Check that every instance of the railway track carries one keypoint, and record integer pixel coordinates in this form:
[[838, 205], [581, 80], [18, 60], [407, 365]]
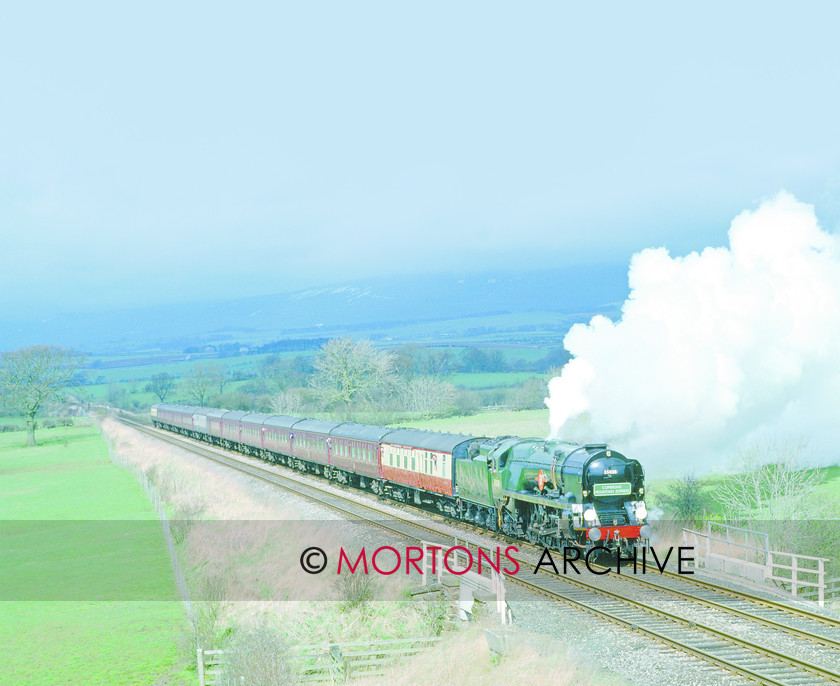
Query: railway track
[[735, 654], [795, 621]]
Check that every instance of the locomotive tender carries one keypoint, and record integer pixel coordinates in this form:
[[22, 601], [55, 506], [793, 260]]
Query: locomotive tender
[[552, 493]]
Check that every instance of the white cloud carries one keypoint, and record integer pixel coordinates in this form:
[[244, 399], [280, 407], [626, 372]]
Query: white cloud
[[714, 348]]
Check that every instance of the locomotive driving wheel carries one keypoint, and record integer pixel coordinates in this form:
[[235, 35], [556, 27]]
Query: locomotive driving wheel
[[535, 524]]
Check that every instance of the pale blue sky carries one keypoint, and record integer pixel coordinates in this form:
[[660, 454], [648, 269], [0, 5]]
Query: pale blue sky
[[256, 148]]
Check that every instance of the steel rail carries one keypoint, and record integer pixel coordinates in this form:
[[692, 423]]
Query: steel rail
[[729, 641], [795, 613]]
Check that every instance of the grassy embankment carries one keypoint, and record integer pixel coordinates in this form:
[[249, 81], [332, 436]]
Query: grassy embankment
[[69, 476]]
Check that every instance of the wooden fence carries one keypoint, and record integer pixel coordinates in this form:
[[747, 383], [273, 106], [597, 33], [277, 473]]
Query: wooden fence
[[332, 663], [747, 553], [832, 590], [473, 586]]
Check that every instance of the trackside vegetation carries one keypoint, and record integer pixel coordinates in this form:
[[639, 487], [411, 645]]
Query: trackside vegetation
[[68, 484]]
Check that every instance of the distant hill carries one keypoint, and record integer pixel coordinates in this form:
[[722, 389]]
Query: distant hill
[[363, 305]]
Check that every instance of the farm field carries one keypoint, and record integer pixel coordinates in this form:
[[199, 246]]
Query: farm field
[[829, 489], [491, 379], [523, 423], [69, 477]]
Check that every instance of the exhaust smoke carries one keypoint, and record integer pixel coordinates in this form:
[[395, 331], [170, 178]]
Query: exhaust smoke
[[715, 349]]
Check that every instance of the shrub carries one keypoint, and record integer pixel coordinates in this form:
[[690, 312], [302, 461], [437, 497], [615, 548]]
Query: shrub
[[355, 589], [258, 656]]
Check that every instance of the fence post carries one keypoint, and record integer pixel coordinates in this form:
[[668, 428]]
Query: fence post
[[793, 571], [200, 662], [821, 579], [338, 661]]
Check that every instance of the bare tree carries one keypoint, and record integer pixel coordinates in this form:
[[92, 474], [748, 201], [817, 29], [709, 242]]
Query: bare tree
[[198, 382], [161, 385], [348, 370], [440, 364], [772, 486], [219, 374], [289, 401], [427, 395], [31, 376]]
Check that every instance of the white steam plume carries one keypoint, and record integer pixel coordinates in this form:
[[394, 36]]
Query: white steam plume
[[714, 349]]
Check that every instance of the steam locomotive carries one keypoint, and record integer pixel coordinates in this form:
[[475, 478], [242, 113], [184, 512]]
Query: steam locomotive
[[552, 493]]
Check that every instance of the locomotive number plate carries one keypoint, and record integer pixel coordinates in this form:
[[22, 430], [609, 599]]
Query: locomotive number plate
[[622, 488]]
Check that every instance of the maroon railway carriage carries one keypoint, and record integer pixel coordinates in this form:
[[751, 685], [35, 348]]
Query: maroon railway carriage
[[355, 448], [179, 416], [213, 420], [253, 432], [232, 427], [422, 459], [278, 433], [309, 440]]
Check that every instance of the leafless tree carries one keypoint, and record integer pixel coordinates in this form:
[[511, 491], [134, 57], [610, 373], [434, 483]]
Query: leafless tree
[[219, 374], [289, 401], [348, 370], [198, 382], [427, 395], [31, 376], [440, 364], [161, 385], [772, 487]]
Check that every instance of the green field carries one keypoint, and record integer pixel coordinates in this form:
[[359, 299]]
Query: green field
[[108, 531], [523, 423], [492, 379]]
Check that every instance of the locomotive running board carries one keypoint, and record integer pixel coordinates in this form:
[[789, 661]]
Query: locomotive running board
[[558, 504]]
